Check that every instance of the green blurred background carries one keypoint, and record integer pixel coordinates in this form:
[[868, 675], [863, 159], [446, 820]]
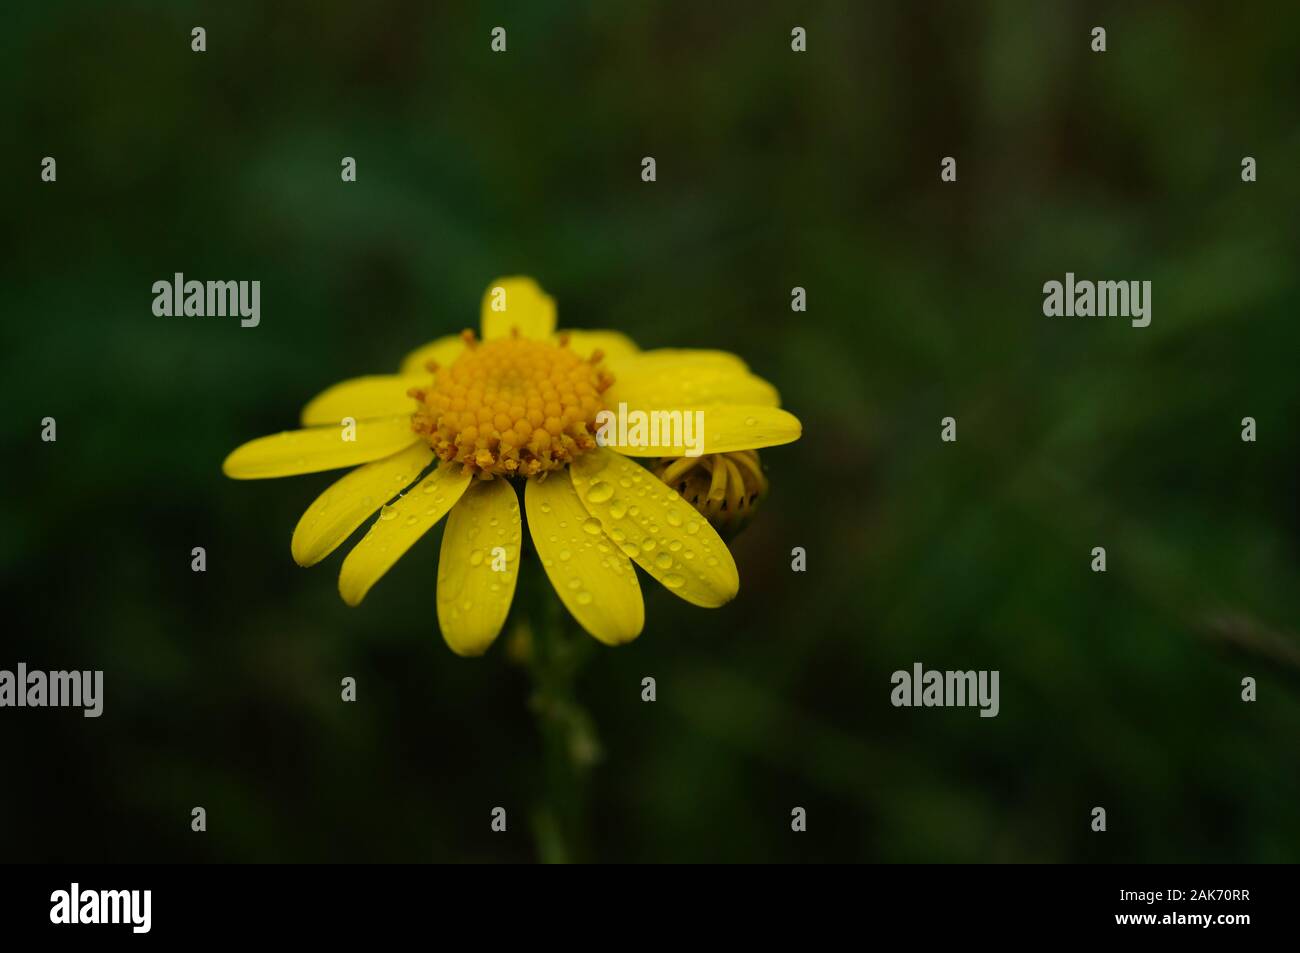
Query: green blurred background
[[775, 169]]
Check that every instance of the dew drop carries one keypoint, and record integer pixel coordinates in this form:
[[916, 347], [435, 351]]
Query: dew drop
[[664, 561], [584, 598], [600, 492], [591, 526], [387, 512], [674, 580], [476, 558]]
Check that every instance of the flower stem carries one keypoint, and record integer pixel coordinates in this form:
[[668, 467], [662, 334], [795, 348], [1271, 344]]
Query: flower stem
[[569, 745]]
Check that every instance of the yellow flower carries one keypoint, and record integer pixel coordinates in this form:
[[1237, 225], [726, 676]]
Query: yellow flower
[[463, 417], [725, 488]]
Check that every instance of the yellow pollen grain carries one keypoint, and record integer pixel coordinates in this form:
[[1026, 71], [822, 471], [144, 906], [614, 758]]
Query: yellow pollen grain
[[512, 406]]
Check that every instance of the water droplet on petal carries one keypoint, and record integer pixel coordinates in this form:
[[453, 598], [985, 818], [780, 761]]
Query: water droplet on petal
[[600, 492], [674, 580], [591, 526]]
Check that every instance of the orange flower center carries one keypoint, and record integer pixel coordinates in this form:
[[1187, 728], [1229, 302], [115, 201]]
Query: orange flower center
[[512, 406]]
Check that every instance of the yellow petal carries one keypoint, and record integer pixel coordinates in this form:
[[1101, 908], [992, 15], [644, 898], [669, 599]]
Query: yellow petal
[[517, 303], [590, 573], [379, 395], [319, 448], [665, 358], [442, 352], [478, 566], [397, 529], [726, 427], [338, 511], [656, 527], [648, 387], [615, 345]]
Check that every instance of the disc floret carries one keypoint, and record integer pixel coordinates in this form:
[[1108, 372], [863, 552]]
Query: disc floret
[[512, 406]]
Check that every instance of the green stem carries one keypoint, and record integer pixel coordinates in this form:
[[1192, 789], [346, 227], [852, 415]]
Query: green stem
[[569, 746]]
